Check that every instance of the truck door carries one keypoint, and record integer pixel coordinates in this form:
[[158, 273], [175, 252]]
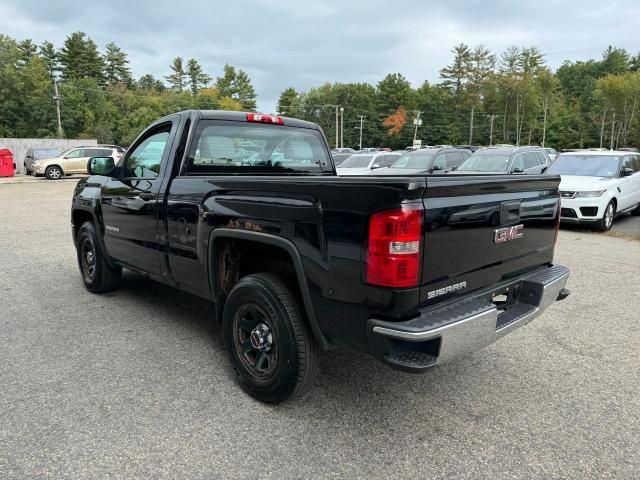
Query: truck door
[[130, 205]]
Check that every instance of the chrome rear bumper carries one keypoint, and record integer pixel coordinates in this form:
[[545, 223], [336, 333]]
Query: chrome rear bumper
[[440, 334]]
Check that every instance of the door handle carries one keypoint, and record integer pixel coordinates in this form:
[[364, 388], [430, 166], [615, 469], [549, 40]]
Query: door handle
[[147, 196]]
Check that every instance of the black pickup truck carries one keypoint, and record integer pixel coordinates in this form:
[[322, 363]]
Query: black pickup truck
[[246, 211]]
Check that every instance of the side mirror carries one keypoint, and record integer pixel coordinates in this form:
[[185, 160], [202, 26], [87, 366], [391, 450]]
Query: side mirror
[[436, 167], [375, 165], [101, 165], [626, 171], [455, 167], [517, 170], [544, 169]]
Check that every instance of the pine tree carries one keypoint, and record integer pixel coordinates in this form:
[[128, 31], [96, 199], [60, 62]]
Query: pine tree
[[177, 78], [237, 85], [288, 102], [27, 49], [116, 68], [197, 78], [79, 58], [224, 84], [244, 91], [50, 55], [454, 75]]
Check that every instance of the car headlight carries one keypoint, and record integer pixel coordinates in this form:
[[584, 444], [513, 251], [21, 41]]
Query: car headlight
[[595, 193]]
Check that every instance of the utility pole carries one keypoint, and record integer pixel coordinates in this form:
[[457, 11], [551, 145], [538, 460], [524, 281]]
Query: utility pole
[[56, 98], [491, 118], [473, 110], [417, 122], [362, 117], [341, 127], [613, 124], [337, 133]]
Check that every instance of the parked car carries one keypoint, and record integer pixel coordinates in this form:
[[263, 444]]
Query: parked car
[[72, 161], [34, 154], [597, 187], [297, 260], [472, 148], [426, 161], [552, 153], [344, 150], [338, 158], [504, 160], [366, 163]]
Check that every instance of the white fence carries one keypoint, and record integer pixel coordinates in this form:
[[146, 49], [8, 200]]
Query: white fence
[[19, 146]]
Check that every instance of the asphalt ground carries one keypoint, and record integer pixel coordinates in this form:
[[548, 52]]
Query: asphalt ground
[[132, 384]]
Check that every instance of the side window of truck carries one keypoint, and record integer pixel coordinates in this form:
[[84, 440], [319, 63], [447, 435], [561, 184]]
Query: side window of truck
[[236, 147], [146, 157]]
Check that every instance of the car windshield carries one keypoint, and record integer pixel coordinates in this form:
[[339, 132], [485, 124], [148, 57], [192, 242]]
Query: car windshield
[[46, 152], [357, 161], [486, 162], [414, 160], [585, 165]]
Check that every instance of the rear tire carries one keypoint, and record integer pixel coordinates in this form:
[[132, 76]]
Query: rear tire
[[53, 173], [97, 275], [271, 350], [609, 214], [636, 211]]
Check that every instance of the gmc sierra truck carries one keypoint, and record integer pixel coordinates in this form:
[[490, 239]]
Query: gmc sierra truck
[[246, 210]]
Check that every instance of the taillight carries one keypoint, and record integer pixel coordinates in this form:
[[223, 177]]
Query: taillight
[[393, 252], [261, 118]]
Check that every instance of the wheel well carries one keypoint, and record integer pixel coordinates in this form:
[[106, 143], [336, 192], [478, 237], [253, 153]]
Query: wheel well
[[54, 165], [78, 217], [237, 258], [234, 258]]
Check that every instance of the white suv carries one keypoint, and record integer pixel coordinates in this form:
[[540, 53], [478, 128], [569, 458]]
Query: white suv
[[598, 186]]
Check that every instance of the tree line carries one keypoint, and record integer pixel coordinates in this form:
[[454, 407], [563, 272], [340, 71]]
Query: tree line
[[480, 98], [97, 94], [483, 98]]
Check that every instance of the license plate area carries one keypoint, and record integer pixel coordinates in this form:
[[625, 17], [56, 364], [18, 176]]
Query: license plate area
[[506, 298]]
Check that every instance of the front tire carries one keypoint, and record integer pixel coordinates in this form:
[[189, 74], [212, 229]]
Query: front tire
[[605, 223], [53, 173], [271, 350], [97, 275]]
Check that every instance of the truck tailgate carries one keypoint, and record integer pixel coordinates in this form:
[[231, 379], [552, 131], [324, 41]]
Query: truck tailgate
[[480, 230]]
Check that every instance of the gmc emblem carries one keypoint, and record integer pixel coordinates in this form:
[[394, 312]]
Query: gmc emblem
[[508, 233]]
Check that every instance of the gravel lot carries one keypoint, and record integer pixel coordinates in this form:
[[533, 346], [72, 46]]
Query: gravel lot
[[131, 384]]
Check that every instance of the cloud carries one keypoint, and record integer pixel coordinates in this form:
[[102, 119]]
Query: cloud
[[304, 44]]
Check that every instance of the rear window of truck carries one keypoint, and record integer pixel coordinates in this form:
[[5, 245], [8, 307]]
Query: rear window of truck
[[237, 148]]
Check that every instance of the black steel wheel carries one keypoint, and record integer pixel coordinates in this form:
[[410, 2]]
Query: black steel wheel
[[270, 347], [97, 275]]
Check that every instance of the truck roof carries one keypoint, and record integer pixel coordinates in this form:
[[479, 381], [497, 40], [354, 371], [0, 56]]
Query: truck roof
[[242, 117]]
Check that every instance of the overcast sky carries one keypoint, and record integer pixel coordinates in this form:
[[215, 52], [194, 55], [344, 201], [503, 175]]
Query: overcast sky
[[283, 43]]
